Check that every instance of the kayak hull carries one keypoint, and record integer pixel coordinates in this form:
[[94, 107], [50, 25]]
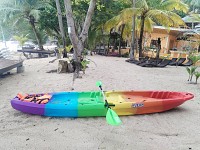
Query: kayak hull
[[87, 104]]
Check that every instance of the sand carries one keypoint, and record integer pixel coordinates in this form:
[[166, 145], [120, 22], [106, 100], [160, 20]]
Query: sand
[[177, 129]]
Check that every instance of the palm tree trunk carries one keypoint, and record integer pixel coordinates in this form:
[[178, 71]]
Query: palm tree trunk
[[133, 34], [61, 27], [108, 46], [77, 41], [37, 37], [120, 39], [141, 34], [103, 40], [119, 48]]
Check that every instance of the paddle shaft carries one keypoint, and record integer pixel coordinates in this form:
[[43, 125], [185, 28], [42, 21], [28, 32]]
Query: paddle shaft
[[106, 102], [111, 116]]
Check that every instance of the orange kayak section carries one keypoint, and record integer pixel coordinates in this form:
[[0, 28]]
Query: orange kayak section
[[145, 102]]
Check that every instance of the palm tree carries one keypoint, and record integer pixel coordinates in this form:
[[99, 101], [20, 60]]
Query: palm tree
[[148, 13], [60, 21], [25, 10], [194, 5], [78, 40]]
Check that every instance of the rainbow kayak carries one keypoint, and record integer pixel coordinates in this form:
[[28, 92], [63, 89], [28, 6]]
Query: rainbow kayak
[[86, 104]]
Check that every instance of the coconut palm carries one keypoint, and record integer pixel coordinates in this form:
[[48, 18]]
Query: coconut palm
[[24, 10], [148, 13]]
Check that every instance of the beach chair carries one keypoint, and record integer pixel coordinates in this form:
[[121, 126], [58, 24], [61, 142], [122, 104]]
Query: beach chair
[[152, 62], [148, 63], [178, 63], [173, 61], [188, 63], [181, 61], [164, 63], [142, 60], [131, 60]]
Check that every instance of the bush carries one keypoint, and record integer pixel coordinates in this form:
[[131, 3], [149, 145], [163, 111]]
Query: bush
[[126, 55]]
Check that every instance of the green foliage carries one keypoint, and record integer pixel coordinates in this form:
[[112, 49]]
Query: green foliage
[[194, 5], [24, 13], [165, 57], [21, 39], [49, 21], [153, 12], [68, 48], [194, 58], [126, 55], [197, 75], [85, 52], [84, 64], [191, 71], [15, 17], [104, 11]]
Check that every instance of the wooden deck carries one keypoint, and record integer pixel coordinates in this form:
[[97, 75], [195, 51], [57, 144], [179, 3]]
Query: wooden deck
[[6, 65]]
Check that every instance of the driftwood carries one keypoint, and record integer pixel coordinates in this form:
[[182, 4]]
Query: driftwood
[[64, 66]]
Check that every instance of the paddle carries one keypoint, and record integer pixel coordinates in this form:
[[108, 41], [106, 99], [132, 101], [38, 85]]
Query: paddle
[[111, 116]]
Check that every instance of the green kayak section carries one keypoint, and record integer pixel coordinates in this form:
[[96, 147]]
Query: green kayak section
[[91, 104]]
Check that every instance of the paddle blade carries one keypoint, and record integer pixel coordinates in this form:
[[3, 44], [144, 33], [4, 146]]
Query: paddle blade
[[112, 118], [98, 83]]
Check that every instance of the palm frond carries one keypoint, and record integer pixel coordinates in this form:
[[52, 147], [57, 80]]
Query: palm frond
[[113, 22], [192, 70], [127, 32], [188, 70], [194, 58], [195, 2], [165, 18], [195, 17], [197, 75], [127, 14], [142, 4], [171, 5], [148, 27]]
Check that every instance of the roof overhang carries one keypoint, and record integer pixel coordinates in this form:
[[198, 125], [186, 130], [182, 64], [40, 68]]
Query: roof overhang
[[170, 30]]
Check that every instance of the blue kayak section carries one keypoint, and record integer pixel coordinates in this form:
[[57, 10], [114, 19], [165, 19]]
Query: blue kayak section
[[62, 104]]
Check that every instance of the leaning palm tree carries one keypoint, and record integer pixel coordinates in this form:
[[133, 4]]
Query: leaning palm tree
[[24, 10], [150, 12]]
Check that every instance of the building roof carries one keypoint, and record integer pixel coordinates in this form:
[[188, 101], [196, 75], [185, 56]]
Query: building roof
[[171, 28]]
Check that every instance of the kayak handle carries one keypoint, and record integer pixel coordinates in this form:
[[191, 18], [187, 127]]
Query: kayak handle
[[108, 105]]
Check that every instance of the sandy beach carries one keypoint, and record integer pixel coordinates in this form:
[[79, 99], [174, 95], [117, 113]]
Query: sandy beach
[[177, 129]]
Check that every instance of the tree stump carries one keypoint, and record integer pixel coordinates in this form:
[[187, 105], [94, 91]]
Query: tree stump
[[64, 66], [70, 68]]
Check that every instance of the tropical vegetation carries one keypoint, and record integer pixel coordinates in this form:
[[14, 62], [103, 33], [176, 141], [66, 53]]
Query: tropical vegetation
[[192, 70], [88, 23]]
